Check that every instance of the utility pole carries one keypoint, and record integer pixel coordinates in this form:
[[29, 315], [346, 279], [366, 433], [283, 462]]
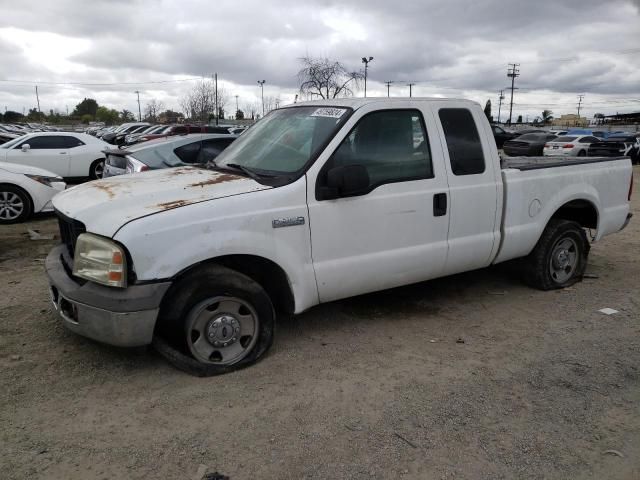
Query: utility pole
[[216, 97], [500, 98], [295, 100], [237, 108], [580, 97], [38, 99], [410, 85], [261, 83], [139, 111], [366, 61], [388, 82], [512, 73]]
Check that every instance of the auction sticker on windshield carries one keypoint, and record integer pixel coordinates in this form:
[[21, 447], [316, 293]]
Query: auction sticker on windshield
[[329, 112]]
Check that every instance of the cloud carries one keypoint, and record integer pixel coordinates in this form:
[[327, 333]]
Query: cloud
[[454, 48]]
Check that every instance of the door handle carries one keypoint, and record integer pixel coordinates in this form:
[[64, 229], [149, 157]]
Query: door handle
[[62, 153], [439, 204]]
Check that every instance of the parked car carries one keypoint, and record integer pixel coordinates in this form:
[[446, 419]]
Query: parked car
[[25, 190], [318, 201], [570, 146], [618, 145], [184, 130], [132, 138], [7, 137], [501, 135], [120, 137], [558, 132], [192, 149], [123, 129], [528, 145], [69, 155]]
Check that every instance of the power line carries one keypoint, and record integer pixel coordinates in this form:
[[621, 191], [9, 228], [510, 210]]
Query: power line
[[91, 84], [500, 98]]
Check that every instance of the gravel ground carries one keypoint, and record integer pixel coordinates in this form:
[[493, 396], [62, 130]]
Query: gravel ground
[[468, 377]]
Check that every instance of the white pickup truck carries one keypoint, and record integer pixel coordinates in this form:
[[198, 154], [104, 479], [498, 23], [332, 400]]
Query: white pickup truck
[[316, 202]]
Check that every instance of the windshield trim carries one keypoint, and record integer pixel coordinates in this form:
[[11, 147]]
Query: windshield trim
[[285, 178]]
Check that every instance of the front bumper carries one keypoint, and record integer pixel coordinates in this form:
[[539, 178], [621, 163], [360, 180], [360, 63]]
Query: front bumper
[[121, 317]]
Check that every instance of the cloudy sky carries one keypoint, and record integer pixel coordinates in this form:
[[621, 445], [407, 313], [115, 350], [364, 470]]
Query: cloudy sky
[[457, 48]]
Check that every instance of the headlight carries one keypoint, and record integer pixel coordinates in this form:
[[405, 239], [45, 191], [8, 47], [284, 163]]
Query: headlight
[[100, 260], [44, 180]]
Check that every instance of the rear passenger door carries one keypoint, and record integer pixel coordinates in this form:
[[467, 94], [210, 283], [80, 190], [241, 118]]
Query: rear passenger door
[[475, 186]]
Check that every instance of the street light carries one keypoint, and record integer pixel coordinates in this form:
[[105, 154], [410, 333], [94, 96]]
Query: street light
[[261, 83], [366, 66]]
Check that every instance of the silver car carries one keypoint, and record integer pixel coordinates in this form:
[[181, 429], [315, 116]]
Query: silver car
[[193, 149]]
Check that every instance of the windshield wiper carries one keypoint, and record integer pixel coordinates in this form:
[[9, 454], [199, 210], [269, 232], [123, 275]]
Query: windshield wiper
[[249, 171]]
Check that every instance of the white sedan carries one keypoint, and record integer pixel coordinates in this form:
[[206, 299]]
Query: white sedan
[[69, 155], [25, 190], [569, 146]]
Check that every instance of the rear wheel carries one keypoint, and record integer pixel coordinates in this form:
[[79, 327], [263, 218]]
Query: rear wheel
[[214, 321], [97, 169], [15, 204], [582, 153], [559, 259]]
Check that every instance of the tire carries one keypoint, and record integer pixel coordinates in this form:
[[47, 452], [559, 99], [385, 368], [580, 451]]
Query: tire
[[96, 170], [582, 153], [15, 204], [218, 310], [561, 241]]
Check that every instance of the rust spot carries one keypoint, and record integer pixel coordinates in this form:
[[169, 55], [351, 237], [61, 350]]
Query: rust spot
[[173, 204], [224, 177], [105, 187]]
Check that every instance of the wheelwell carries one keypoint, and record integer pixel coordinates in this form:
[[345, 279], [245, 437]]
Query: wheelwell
[[268, 274], [22, 190], [580, 211]]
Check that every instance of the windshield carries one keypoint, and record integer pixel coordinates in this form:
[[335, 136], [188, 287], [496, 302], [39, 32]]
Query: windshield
[[11, 143], [284, 141]]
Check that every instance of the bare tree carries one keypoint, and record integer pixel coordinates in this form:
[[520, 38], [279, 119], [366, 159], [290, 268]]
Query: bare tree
[[251, 109], [270, 103], [199, 103], [326, 78], [152, 110]]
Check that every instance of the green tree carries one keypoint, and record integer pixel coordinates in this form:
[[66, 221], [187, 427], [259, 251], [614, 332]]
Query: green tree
[[11, 116], [239, 115], [88, 106], [107, 115], [127, 116], [547, 116], [35, 116], [86, 118], [487, 110], [519, 119]]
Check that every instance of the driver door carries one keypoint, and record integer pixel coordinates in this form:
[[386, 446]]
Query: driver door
[[394, 232], [45, 151]]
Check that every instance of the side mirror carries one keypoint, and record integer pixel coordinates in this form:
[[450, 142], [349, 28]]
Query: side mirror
[[345, 181], [25, 147]]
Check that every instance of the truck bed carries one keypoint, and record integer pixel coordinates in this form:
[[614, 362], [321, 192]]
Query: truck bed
[[535, 163], [536, 187]]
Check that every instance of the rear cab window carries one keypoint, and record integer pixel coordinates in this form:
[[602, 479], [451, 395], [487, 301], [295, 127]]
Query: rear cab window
[[463, 141]]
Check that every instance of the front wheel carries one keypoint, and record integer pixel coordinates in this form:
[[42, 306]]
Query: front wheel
[[15, 204], [215, 320], [559, 259]]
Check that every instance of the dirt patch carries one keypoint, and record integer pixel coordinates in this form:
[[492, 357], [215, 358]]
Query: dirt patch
[[173, 204], [374, 387]]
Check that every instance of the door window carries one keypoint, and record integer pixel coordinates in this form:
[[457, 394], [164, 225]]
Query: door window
[[211, 148], [391, 144], [44, 142], [71, 142], [463, 141], [188, 153]]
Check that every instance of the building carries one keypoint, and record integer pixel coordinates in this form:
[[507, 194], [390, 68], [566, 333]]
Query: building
[[570, 120]]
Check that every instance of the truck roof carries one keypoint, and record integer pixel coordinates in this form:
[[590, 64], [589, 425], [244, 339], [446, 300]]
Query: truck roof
[[357, 103]]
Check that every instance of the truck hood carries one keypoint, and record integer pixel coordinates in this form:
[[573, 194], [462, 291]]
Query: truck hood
[[105, 205]]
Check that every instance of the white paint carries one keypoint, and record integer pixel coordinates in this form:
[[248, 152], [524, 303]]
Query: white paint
[[40, 194], [386, 238]]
